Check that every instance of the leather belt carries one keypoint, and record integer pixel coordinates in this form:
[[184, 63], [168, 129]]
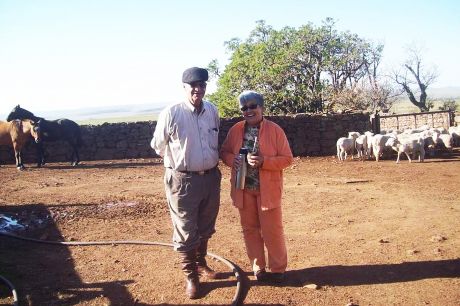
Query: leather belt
[[203, 172]]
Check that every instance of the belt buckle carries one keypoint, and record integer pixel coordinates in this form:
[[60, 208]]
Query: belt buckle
[[201, 172]]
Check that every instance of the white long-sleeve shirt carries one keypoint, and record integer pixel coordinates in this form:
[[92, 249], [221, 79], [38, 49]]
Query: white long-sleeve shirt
[[187, 140]]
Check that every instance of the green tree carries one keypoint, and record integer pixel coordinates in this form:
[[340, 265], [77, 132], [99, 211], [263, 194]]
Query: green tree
[[296, 70]]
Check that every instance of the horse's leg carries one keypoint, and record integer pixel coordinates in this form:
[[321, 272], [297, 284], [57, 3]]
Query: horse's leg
[[75, 158], [18, 157], [77, 161], [38, 154], [41, 154]]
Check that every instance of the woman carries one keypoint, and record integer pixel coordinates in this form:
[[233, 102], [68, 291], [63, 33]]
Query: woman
[[259, 203]]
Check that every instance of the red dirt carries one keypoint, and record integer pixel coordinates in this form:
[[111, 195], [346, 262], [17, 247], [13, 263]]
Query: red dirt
[[365, 233]]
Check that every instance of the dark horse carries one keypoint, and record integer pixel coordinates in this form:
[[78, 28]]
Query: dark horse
[[52, 130]]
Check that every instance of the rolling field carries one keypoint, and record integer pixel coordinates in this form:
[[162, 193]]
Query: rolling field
[[127, 118]]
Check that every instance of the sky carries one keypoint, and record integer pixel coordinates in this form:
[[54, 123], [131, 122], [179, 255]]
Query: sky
[[93, 53]]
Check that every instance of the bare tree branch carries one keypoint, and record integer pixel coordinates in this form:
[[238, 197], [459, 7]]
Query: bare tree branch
[[414, 73]]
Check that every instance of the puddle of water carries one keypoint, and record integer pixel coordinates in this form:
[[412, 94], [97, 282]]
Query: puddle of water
[[9, 224]]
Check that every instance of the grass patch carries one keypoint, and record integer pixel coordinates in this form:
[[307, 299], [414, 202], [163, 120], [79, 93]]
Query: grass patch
[[401, 106], [134, 118], [404, 106]]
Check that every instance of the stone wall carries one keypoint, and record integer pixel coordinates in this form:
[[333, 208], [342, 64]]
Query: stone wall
[[406, 121], [308, 135], [456, 119]]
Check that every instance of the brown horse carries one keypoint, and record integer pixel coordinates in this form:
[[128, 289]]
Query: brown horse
[[16, 134]]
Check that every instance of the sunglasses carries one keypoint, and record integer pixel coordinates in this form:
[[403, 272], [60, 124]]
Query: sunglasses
[[246, 107]]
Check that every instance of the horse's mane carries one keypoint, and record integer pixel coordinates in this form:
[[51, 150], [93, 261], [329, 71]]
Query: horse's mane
[[21, 113]]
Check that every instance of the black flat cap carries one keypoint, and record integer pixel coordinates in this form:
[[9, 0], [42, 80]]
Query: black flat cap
[[194, 74]]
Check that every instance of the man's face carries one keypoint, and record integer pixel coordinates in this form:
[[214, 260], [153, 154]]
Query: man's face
[[195, 92]]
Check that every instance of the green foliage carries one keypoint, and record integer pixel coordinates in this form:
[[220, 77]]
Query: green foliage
[[296, 70]]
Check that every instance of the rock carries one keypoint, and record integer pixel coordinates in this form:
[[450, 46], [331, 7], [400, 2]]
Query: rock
[[412, 252], [384, 241]]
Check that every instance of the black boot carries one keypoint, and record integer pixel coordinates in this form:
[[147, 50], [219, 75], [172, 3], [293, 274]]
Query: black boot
[[203, 269], [192, 282]]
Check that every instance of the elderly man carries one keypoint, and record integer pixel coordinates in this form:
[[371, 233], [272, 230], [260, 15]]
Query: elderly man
[[186, 136]]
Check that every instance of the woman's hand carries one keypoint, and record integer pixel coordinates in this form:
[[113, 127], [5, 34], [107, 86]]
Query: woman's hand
[[255, 161]]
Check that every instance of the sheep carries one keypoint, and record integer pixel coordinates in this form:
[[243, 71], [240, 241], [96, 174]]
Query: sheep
[[346, 145], [361, 146], [430, 138], [369, 136], [412, 145], [445, 140], [390, 131], [379, 143], [454, 131], [417, 130], [440, 130]]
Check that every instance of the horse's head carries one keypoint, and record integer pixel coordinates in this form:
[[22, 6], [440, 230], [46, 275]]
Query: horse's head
[[35, 130], [20, 113]]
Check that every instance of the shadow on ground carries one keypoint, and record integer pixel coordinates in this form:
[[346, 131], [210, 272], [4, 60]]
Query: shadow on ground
[[373, 274], [45, 274]]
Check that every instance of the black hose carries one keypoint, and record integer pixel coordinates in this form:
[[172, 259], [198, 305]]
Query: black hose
[[13, 290], [236, 298]]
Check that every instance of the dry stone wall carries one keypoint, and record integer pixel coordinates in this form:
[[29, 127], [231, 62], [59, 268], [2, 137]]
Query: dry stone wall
[[402, 122], [308, 135]]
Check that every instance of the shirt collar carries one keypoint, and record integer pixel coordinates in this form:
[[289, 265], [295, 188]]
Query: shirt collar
[[193, 109]]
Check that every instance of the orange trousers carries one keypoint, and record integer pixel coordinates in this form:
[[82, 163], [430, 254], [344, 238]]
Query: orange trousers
[[263, 228]]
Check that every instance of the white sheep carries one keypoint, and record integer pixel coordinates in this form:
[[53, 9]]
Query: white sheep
[[412, 145], [417, 130], [454, 131], [379, 144], [361, 146], [346, 145], [441, 130], [429, 137], [369, 136], [445, 140]]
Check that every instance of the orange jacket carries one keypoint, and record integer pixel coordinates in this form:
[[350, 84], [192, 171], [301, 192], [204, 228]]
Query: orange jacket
[[274, 147]]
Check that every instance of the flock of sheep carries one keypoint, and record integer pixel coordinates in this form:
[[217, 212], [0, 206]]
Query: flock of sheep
[[415, 142]]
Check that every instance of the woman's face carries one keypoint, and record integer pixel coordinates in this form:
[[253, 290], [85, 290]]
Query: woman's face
[[252, 113]]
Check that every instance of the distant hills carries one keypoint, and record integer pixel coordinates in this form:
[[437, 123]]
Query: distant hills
[[130, 112], [444, 92], [99, 114], [114, 111]]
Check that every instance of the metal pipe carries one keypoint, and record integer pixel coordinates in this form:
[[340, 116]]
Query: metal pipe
[[13, 290]]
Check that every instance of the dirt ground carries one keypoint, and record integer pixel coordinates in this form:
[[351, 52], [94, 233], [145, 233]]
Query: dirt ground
[[364, 233]]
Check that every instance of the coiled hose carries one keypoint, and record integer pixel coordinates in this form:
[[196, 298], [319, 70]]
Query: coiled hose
[[236, 298]]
